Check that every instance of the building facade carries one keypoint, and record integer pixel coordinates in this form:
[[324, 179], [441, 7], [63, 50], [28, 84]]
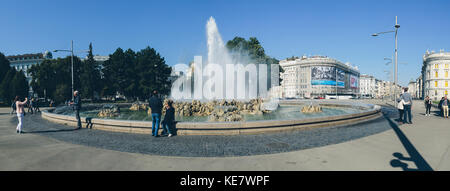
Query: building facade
[[412, 89], [25, 61], [435, 74], [314, 76], [368, 86], [387, 89], [419, 88]]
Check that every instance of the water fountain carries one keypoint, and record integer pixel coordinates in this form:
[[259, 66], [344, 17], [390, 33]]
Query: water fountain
[[234, 108]]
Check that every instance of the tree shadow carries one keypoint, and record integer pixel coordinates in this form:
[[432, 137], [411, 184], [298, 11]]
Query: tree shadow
[[418, 160]]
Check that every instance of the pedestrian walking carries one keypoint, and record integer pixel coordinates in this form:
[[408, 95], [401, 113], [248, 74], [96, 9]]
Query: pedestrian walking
[[20, 112], [30, 106], [76, 104], [156, 106], [13, 107], [445, 104], [407, 106], [169, 118], [36, 106], [427, 106]]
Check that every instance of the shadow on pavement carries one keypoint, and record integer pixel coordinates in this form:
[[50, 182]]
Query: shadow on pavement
[[50, 131], [420, 162]]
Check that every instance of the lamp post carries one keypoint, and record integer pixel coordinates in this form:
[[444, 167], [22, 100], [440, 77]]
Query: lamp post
[[71, 51], [396, 26], [336, 83]]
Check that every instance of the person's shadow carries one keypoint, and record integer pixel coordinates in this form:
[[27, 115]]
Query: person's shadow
[[415, 156], [49, 131], [397, 163]]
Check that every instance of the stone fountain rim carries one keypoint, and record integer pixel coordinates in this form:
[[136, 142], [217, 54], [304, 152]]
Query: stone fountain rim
[[224, 128]]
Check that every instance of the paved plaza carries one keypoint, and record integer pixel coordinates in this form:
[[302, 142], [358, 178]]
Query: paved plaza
[[376, 145]]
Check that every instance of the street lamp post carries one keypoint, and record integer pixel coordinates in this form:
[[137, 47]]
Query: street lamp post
[[396, 26]]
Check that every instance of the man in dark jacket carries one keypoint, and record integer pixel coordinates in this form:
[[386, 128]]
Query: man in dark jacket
[[441, 113], [156, 106], [76, 104]]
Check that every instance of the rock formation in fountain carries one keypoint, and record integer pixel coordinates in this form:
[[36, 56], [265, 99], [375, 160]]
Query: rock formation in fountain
[[109, 110], [311, 109], [137, 106], [219, 110]]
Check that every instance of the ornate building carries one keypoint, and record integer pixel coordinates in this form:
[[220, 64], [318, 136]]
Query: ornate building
[[318, 76], [435, 74]]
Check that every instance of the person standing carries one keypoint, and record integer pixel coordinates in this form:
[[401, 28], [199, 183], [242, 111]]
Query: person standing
[[427, 106], [76, 104], [20, 112], [445, 104], [156, 106], [441, 112], [169, 118], [407, 106]]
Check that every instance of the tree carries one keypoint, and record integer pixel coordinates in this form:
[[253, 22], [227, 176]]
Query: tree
[[255, 51], [114, 73], [50, 76], [153, 72], [135, 75], [4, 66], [5, 86], [19, 85], [90, 76]]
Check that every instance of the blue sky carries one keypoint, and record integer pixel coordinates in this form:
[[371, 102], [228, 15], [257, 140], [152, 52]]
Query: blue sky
[[176, 29]]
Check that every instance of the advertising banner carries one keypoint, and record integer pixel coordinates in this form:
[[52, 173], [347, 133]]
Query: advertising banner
[[326, 75], [354, 81]]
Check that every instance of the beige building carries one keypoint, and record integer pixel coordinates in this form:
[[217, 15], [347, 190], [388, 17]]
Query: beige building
[[387, 89]]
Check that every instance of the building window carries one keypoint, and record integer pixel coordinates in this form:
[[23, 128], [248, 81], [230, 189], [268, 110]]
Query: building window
[[435, 92], [446, 83], [435, 84], [446, 65], [436, 74], [446, 74], [445, 92], [436, 66]]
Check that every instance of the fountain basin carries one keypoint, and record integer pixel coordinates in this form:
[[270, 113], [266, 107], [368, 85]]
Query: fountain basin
[[366, 112]]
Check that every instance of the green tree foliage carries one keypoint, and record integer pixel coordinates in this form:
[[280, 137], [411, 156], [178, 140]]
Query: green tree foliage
[[49, 77], [19, 85], [255, 51], [152, 71], [5, 86], [135, 75], [90, 80], [13, 84], [4, 66]]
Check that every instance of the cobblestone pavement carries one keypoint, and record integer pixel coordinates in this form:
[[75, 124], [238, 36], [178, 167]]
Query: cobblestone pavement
[[204, 146]]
